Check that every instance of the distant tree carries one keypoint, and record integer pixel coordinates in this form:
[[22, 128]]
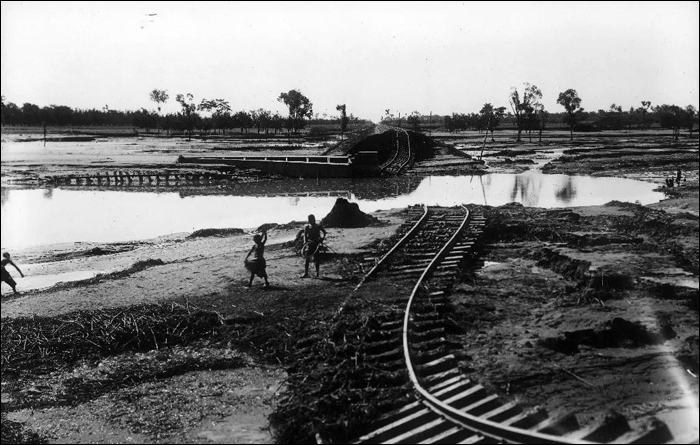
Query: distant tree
[[243, 120], [277, 122], [388, 116], [144, 119], [261, 119], [59, 115], [11, 114], [159, 97], [456, 122], [414, 120], [343, 120], [615, 117], [31, 114], [300, 108], [572, 104], [490, 118], [219, 109], [691, 119], [188, 108], [532, 96], [542, 117], [643, 110], [524, 107], [674, 117]]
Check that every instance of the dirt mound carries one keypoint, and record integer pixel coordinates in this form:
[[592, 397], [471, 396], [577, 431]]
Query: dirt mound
[[383, 139], [351, 140], [347, 214], [202, 233]]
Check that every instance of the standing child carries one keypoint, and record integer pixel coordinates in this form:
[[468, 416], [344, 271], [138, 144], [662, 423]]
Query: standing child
[[256, 265], [313, 244], [6, 277]]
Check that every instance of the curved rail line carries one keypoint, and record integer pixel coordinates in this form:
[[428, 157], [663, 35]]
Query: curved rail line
[[402, 157], [450, 407]]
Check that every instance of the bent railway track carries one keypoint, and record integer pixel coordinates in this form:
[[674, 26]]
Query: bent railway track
[[403, 156], [437, 245]]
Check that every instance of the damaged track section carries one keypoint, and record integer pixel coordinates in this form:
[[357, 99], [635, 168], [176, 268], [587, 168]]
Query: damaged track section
[[448, 406]]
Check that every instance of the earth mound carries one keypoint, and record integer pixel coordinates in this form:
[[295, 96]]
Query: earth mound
[[347, 214]]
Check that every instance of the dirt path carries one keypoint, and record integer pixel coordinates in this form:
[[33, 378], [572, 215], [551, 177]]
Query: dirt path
[[225, 406]]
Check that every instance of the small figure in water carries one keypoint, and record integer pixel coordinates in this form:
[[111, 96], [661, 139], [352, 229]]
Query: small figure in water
[[313, 245], [6, 277], [256, 265], [679, 174]]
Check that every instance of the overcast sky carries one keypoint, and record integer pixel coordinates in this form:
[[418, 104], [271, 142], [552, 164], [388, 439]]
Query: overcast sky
[[439, 57]]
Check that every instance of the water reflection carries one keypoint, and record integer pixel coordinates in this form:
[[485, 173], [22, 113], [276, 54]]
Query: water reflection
[[526, 190], [4, 196], [567, 192], [349, 188], [38, 216]]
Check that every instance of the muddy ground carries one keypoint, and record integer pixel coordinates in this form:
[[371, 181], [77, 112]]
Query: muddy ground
[[579, 310]]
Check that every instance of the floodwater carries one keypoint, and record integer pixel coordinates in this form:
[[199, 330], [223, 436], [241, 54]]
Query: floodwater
[[33, 217], [34, 281]]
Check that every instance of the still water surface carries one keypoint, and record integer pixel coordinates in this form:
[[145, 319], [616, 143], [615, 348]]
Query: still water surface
[[58, 215]]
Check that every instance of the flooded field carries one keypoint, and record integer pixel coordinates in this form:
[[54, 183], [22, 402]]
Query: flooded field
[[60, 215], [558, 261]]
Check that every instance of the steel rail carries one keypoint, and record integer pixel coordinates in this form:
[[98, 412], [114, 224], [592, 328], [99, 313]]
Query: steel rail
[[479, 425], [408, 159], [398, 245]]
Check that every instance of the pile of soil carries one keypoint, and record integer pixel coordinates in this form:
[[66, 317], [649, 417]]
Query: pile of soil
[[382, 139], [347, 214], [215, 232]]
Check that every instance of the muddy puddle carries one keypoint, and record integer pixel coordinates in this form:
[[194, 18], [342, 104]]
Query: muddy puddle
[[33, 217]]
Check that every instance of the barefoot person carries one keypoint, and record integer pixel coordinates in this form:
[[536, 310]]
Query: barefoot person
[[312, 244], [256, 265], [6, 277]]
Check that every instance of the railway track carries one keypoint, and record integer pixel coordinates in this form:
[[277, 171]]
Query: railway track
[[403, 156], [140, 178], [435, 246]]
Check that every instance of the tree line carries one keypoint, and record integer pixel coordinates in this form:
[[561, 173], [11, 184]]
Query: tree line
[[208, 115], [527, 115]]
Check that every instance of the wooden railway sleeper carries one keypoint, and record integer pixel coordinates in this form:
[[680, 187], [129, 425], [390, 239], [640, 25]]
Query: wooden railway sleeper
[[422, 357], [378, 335], [438, 365], [389, 326], [399, 421], [392, 365], [426, 335], [529, 419], [658, 432], [438, 378], [424, 315], [386, 356], [419, 326], [558, 426], [429, 344], [382, 345], [611, 427], [400, 424]]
